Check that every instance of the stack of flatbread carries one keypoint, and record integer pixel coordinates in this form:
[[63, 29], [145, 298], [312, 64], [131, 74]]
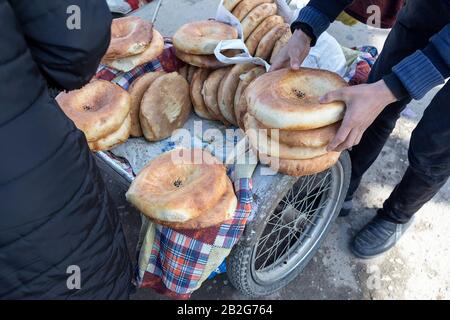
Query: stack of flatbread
[[287, 124], [265, 32], [134, 42]]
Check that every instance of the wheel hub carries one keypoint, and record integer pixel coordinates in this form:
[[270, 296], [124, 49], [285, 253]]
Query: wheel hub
[[291, 216]]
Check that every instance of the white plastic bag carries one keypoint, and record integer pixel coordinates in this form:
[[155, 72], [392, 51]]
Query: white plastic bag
[[326, 54], [223, 15]]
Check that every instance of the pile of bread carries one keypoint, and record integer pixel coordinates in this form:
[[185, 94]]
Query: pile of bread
[[287, 124], [217, 89], [217, 94], [265, 32], [101, 110], [184, 189], [155, 105], [134, 42]]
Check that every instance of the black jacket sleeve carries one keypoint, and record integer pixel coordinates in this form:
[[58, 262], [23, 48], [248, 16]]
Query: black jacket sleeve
[[316, 17], [67, 57], [331, 8]]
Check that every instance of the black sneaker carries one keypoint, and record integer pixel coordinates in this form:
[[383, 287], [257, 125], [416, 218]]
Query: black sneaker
[[378, 236], [347, 207]]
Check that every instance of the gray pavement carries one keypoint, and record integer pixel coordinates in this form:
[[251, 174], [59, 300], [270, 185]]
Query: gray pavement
[[417, 268]]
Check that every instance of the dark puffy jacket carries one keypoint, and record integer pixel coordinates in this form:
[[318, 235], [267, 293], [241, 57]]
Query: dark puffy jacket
[[55, 215]]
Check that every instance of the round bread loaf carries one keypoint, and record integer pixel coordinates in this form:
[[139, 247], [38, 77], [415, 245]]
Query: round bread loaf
[[98, 109], [200, 61], [190, 73], [165, 107], [265, 27], [136, 91], [202, 37], [227, 90], [183, 71], [283, 41], [300, 168], [114, 139], [240, 104], [289, 99], [129, 36], [271, 146], [179, 185], [244, 7], [231, 4], [210, 91], [196, 95], [223, 211], [256, 16], [153, 51], [267, 43], [314, 138]]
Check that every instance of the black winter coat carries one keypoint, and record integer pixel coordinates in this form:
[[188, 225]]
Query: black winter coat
[[55, 214]]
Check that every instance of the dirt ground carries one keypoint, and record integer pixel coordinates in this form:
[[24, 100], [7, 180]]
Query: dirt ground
[[417, 268]]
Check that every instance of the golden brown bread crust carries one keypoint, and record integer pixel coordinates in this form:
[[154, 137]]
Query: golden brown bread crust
[[114, 139], [280, 44], [244, 7], [314, 138], [264, 27], [136, 91], [98, 109], [183, 71], [221, 212], [200, 61], [210, 91], [267, 43], [165, 107], [179, 185], [190, 73], [256, 16], [271, 146], [152, 51], [289, 99], [299, 168], [196, 96], [231, 4], [129, 36], [202, 37], [227, 90], [240, 104]]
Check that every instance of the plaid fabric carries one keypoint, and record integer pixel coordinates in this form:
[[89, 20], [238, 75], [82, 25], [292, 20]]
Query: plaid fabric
[[358, 72], [167, 62], [177, 262]]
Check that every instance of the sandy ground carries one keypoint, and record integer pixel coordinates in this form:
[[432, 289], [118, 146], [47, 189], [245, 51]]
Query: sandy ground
[[417, 268]]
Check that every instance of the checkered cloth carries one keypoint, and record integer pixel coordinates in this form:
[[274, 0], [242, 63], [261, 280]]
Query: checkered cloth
[[167, 62], [176, 262], [360, 60]]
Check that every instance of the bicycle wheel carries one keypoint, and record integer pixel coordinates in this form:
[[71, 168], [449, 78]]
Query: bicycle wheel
[[279, 246]]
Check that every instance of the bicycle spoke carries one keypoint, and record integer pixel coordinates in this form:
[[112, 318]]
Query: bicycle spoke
[[294, 220]]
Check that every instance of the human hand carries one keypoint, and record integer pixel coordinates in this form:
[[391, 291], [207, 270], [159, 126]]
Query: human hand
[[364, 103], [293, 54]]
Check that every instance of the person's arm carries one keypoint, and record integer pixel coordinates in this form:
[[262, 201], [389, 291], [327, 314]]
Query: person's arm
[[68, 58], [317, 16], [413, 77], [312, 21], [417, 74]]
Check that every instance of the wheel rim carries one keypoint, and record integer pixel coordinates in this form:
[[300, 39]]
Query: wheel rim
[[297, 225]]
